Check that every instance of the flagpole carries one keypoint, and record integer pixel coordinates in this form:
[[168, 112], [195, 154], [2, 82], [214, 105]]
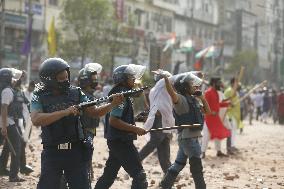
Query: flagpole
[[29, 68], [30, 51]]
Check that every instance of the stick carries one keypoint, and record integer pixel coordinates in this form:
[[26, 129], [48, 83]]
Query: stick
[[10, 145], [174, 127], [237, 80], [257, 86]]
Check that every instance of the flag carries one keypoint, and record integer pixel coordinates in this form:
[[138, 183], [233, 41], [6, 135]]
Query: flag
[[198, 64], [26, 48], [51, 38], [207, 52], [186, 46], [170, 42]]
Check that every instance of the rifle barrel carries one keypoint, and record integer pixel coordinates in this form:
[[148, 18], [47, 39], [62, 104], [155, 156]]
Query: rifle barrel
[[109, 98]]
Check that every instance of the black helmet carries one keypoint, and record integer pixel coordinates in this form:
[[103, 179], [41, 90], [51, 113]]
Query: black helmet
[[182, 81], [85, 75], [121, 73], [6, 76], [50, 68], [179, 86]]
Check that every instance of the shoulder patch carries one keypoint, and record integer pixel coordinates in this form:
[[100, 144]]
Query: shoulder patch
[[121, 106], [35, 98]]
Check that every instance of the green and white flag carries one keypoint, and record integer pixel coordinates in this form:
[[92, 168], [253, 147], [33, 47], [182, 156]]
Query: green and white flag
[[207, 52], [170, 42], [186, 46]]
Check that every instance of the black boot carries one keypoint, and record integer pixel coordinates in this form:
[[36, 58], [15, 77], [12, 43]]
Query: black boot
[[168, 180], [196, 170], [26, 170]]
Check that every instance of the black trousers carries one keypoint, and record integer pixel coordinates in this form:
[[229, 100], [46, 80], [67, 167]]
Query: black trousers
[[161, 142], [54, 162], [122, 154], [16, 141]]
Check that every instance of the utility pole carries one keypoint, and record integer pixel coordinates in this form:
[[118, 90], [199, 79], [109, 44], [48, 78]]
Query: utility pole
[[190, 55], [2, 33], [30, 16]]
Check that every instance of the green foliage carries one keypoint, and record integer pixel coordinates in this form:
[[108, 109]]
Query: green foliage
[[87, 27], [248, 59]]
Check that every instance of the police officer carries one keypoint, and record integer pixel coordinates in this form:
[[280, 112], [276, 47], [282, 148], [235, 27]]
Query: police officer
[[17, 109], [11, 111], [88, 80], [187, 111], [54, 108], [120, 131]]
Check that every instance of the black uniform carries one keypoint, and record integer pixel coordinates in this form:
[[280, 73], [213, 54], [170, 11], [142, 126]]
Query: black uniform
[[64, 149], [122, 152]]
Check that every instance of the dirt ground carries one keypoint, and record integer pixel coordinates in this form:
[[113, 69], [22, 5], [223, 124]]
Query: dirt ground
[[259, 165]]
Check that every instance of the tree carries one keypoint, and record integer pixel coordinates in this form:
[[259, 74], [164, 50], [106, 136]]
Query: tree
[[84, 24], [248, 59]]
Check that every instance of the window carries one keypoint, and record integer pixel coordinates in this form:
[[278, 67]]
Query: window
[[53, 2]]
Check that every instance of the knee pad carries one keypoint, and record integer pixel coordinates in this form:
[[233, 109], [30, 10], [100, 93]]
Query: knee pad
[[195, 165]]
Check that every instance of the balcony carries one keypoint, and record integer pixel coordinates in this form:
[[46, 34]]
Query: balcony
[[165, 5]]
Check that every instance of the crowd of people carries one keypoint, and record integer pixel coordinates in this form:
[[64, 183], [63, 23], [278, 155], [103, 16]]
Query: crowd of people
[[201, 111]]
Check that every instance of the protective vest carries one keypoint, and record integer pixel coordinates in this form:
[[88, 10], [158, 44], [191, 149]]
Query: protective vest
[[67, 129], [112, 133], [15, 108], [193, 116], [87, 121]]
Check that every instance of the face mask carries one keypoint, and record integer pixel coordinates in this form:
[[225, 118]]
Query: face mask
[[197, 93], [63, 86]]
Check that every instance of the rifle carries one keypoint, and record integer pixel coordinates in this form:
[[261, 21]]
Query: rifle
[[129, 93]]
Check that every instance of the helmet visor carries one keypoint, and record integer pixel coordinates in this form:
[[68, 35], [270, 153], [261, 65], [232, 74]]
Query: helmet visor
[[17, 74], [136, 70], [193, 79], [93, 67]]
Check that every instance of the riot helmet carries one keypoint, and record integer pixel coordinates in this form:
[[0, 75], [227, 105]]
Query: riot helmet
[[122, 73], [186, 82], [6, 76], [86, 74], [48, 71]]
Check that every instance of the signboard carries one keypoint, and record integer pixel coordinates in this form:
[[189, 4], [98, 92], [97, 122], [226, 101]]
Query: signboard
[[15, 20], [36, 8]]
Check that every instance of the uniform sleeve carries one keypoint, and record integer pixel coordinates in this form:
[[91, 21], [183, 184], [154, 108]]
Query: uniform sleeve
[[7, 96], [181, 107], [36, 104], [118, 110]]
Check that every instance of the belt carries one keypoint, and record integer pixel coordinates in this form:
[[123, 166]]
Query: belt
[[63, 146]]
